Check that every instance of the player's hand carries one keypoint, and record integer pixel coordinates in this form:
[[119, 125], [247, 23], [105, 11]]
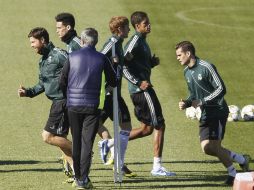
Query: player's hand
[[155, 60], [128, 56], [182, 104], [115, 59], [21, 91], [144, 85], [196, 103]]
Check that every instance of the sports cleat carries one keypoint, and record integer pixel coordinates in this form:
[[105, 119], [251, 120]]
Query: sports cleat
[[104, 150], [127, 172], [80, 184], [245, 165], [162, 172], [67, 168], [69, 180], [109, 162], [229, 181]]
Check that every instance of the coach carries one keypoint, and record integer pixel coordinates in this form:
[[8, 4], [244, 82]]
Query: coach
[[81, 80]]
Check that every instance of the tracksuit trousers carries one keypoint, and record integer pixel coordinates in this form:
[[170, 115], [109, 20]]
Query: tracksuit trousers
[[84, 126]]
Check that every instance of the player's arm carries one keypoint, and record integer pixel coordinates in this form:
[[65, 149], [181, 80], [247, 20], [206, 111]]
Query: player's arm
[[31, 92], [110, 74], [63, 80], [183, 104], [219, 88], [129, 53], [155, 60]]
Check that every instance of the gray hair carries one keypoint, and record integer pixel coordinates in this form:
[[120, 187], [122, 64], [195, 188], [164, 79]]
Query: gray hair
[[89, 36]]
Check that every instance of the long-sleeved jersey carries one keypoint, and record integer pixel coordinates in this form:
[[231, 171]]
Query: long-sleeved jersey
[[74, 44], [107, 50], [205, 84], [72, 41], [137, 69], [50, 66]]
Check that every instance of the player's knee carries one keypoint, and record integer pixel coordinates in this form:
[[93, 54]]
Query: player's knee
[[148, 130], [46, 137], [208, 149]]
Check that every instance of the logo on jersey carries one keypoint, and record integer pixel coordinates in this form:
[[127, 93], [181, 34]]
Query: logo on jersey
[[199, 77], [49, 59]]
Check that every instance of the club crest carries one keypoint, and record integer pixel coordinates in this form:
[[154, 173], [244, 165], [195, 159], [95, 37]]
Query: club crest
[[199, 77]]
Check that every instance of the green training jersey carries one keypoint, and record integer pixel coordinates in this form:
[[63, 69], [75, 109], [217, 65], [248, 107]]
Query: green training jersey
[[137, 69], [205, 84], [50, 66], [74, 44], [118, 67]]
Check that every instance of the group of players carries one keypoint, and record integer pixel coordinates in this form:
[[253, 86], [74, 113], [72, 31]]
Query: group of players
[[134, 63]]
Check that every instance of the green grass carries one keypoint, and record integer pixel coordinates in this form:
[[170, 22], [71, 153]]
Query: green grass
[[222, 33]]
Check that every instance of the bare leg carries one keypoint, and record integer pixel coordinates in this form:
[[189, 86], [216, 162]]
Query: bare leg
[[143, 131], [158, 141], [214, 148], [62, 142]]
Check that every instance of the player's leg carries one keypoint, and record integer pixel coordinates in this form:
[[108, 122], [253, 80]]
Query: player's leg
[[57, 129], [142, 113], [62, 142], [106, 144], [126, 127], [211, 135]]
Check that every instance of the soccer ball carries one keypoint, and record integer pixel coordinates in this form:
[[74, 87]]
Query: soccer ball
[[234, 113], [190, 112], [248, 113], [198, 113]]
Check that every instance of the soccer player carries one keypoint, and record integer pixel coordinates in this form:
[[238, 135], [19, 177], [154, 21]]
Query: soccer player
[[119, 27], [65, 28], [50, 66], [82, 79], [137, 70], [207, 91]]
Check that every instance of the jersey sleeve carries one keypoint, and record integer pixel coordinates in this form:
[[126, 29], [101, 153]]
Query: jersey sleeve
[[35, 90], [215, 80]]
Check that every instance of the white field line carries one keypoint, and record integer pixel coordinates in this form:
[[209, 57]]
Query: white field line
[[182, 16]]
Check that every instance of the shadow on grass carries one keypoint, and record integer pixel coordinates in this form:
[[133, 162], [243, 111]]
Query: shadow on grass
[[180, 162], [32, 170], [198, 180], [23, 162], [26, 162]]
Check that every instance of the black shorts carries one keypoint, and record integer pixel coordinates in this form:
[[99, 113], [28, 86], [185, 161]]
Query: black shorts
[[58, 123], [212, 129], [148, 108], [107, 111]]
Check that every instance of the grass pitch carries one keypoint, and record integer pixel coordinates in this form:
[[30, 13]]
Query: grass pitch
[[222, 33]]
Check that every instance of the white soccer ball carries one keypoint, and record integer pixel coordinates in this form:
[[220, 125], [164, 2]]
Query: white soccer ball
[[190, 113], [234, 113], [247, 113], [198, 113]]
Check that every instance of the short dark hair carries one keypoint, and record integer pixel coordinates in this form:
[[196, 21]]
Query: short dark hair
[[137, 17], [186, 46], [39, 33], [66, 19]]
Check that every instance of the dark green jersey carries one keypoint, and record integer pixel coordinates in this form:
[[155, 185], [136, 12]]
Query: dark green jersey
[[50, 66], [205, 84], [139, 67], [74, 44], [107, 50]]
